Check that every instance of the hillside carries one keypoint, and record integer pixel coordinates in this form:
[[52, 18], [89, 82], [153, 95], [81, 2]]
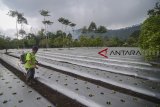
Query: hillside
[[122, 33]]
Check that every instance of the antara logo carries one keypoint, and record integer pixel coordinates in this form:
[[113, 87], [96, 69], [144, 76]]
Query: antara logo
[[103, 53], [121, 52]]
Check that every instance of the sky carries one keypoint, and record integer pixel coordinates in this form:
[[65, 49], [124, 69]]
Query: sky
[[113, 14]]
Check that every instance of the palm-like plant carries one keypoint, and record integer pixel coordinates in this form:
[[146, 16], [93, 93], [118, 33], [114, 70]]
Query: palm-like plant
[[45, 13], [47, 22], [20, 19], [61, 20], [15, 14], [72, 25], [22, 32], [66, 22]]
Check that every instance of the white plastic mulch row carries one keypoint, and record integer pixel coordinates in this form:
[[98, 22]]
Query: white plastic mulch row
[[15, 93], [87, 93], [88, 53], [123, 63], [145, 87], [135, 84], [79, 54], [147, 73]]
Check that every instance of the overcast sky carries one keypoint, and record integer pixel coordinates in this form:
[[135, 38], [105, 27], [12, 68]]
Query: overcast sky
[[113, 14]]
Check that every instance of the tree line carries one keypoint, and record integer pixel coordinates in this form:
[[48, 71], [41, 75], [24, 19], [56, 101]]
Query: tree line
[[61, 39]]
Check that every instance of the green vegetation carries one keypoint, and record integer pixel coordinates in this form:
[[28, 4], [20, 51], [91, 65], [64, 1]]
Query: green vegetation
[[93, 29], [61, 39], [149, 40]]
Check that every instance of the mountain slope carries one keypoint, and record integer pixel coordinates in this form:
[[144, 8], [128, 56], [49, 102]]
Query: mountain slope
[[122, 33]]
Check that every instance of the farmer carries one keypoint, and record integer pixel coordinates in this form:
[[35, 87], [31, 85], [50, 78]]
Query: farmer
[[30, 65]]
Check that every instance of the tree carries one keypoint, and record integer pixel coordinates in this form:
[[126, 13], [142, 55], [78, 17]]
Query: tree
[[101, 29], [69, 39], [42, 43], [14, 14], [45, 13], [72, 25], [135, 34], [22, 32], [114, 42], [51, 35], [84, 30], [92, 27], [149, 36], [20, 19], [41, 34], [84, 41], [98, 41], [58, 42], [76, 43], [133, 39], [66, 22], [47, 22], [59, 33], [61, 20], [155, 11], [2, 41]]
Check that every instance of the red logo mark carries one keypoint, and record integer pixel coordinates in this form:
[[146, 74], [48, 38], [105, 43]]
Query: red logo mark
[[103, 53]]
